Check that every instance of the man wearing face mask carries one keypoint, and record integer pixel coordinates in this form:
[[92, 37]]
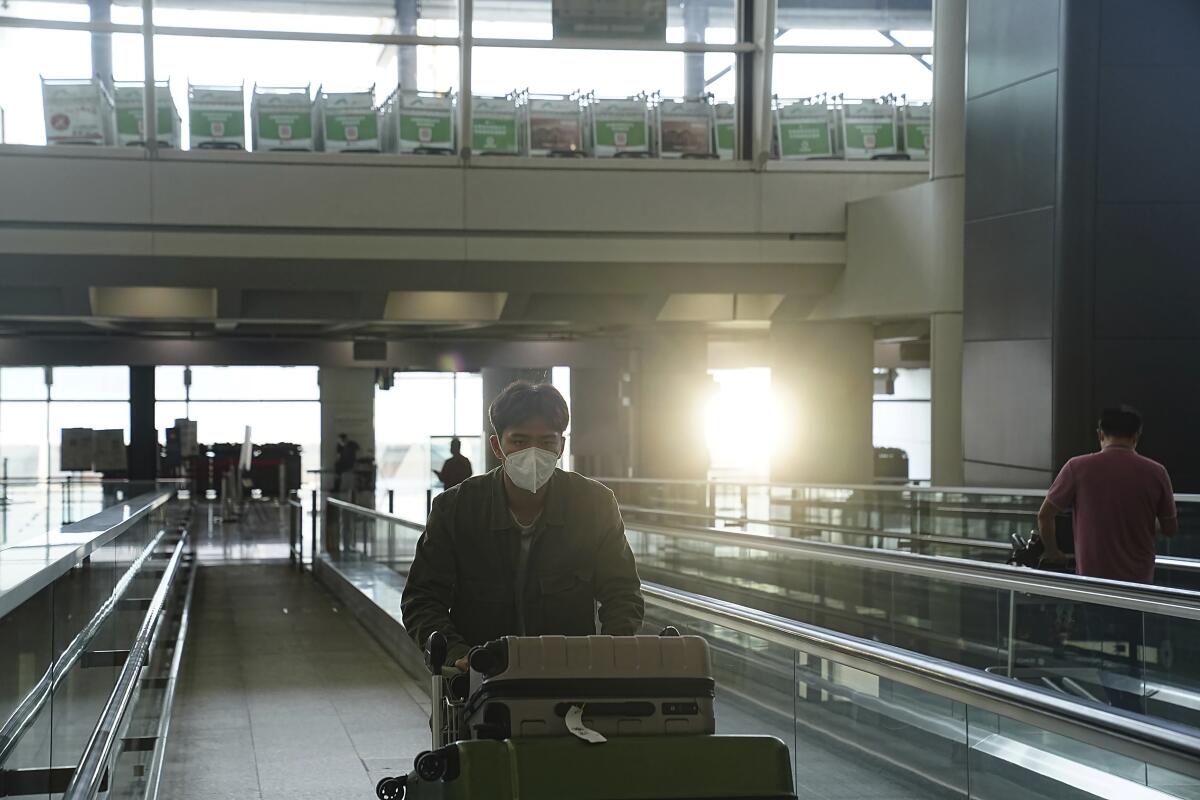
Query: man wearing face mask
[[527, 549]]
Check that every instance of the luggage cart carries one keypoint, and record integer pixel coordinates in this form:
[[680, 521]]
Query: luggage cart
[[686, 127], [419, 123], [618, 128], [282, 118], [131, 128], [78, 112], [869, 130], [217, 117], [916, 129], [495, 130], [532, 685], [804, 129], [726, 131], [553, 125], [347, 122]]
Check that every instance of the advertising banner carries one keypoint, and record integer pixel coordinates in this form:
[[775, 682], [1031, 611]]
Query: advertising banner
[[869, 130], [131, 111], [348, 122], [78, 112], [282, 119], [217, 117], [619, 126], [645, 20], [805, 131], [494, 126]]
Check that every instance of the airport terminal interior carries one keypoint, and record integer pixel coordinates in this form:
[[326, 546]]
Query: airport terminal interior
[[354, 353]]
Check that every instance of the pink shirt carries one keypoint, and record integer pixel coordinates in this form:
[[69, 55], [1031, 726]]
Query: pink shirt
[[1117, 495]]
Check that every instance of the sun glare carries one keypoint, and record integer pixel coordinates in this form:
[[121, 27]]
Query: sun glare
[[742, 423]]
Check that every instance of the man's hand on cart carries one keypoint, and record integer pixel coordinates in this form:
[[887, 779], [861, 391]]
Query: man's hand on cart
[[462, 665]]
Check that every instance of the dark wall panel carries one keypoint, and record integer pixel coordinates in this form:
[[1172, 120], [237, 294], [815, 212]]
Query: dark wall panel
[[1009, 41], [1131, 35], [1007, 402], [1158, 378], [1146, 121], [1008, 286], [1011, 149], [1148, 271]]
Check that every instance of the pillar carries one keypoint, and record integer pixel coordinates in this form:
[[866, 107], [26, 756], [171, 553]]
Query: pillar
[[600, 425], [102, 61], [406, 25], [822, 377], [494, 379], [945, 362], [143, 436], [347, 406], [949, 88], [672, 389], [695, 26]]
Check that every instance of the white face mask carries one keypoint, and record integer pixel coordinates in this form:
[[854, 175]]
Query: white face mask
[[530, 468]]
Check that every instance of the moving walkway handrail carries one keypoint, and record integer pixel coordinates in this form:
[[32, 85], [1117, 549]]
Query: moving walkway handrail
[[26, 712], [858, 487], [816, 527], [1162, 562], [1169, 745], [370, 512], [1166, 601], [93, 765]]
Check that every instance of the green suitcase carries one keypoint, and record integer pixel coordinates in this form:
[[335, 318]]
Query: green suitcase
[[632, 768]]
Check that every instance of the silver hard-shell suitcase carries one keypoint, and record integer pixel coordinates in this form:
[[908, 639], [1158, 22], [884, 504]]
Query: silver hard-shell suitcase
[[624, 685]]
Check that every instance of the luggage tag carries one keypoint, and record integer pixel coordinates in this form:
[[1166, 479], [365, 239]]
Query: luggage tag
[[574, 720]]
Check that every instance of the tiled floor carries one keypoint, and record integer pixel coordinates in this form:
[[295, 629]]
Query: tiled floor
[[284, 696]]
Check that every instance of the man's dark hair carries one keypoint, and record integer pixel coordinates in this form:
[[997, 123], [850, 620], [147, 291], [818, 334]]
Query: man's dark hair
[[1121, 421], [455, 442], [522, 401]]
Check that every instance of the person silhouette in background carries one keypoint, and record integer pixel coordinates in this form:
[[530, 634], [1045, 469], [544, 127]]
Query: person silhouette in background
[[343, 466], [457, 467]]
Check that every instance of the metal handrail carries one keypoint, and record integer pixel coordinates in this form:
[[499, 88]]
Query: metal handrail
[[154, 771], [88, 776], [1161, 562], [1162, 600], [871, 487], [958, 541], [1172, 746], [370, 512], [26, 712]]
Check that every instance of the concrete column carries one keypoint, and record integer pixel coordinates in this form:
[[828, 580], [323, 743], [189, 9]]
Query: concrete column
[[143, 436], [946, 366], [494, 379], [695, 25], [347, 406], [406, 25], [671, 391], [949, 89], [600, 425], [821, 374], [102, 61]]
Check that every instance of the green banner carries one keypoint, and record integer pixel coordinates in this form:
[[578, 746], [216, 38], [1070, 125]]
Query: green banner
[[916, 139], [726, 138], [494, 134], [353, 129], [620, 135], [284, 127], [213, 123], [129, 122], [804, 139], [865, 138], [425, 130]]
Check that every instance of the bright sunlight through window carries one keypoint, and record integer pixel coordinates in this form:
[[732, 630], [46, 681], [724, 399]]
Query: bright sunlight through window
[[743, 423]]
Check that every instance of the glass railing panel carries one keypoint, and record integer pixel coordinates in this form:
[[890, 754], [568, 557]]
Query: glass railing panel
[[26, 653]]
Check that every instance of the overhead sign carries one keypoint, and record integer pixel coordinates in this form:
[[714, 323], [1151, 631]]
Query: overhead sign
[[610, 19]]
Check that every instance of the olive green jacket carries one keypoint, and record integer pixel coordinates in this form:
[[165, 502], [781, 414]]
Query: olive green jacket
[[463, 578]]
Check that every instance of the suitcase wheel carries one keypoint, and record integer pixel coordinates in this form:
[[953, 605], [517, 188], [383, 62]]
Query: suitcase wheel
[[390, 789], [431, 766]]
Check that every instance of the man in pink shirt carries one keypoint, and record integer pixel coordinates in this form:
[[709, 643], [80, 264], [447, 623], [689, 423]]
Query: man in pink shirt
[[1116, 495]]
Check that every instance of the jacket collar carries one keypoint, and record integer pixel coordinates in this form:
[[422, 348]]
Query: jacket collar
[[553, 513]]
